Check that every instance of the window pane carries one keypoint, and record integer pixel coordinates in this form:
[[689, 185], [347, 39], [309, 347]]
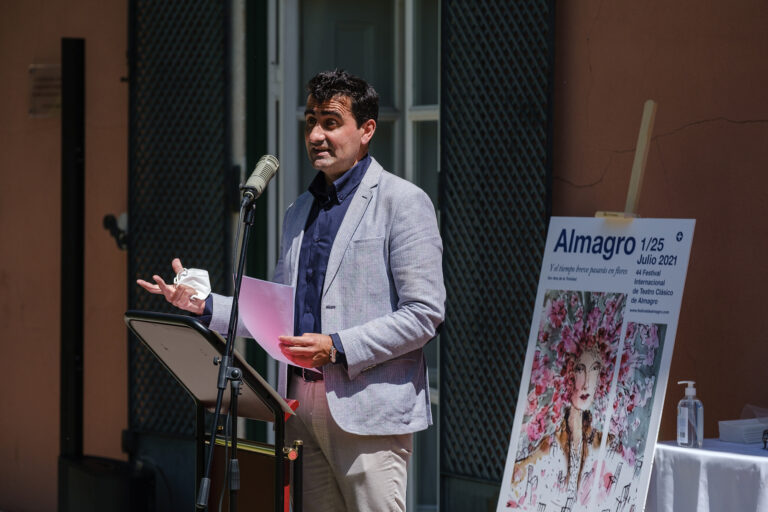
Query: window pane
[[383, 146], [307, 171], [425, 49], [425, 157], [356, 36], [425, 459]]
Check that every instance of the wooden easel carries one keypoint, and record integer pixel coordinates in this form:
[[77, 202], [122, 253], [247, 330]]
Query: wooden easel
[[638, 166]]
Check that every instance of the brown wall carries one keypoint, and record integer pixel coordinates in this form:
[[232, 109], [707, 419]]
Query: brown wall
[[704, 62], [30, 188]]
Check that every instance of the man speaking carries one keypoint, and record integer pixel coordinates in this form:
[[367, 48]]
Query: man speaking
[[363, 251]]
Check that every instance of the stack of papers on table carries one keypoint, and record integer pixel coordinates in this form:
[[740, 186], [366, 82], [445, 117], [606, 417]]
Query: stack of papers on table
[[743, 431]]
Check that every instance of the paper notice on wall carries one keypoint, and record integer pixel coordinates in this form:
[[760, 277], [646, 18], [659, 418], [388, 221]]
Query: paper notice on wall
[[266, 309], [597, 363]]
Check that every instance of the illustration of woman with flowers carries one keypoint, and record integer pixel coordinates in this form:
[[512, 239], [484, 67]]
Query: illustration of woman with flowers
[[572, 368]]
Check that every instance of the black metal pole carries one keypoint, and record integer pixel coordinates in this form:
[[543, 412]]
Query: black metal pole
[[279, 455], [72, 258], [234, 465], [298, 477], [226, 370], [72, 244]]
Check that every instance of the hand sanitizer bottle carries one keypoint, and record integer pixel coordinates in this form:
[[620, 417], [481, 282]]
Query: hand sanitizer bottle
[[690, 418]]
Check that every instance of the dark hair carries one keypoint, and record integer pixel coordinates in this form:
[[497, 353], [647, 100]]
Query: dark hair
[[329, 84]]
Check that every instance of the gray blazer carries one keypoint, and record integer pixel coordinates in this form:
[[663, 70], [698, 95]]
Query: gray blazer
[[384, 296]]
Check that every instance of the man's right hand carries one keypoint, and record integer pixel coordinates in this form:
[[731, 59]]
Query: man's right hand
[[179, 295]]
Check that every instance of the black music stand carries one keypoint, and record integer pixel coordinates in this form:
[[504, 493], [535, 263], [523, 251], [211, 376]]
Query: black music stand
[[190, 351]]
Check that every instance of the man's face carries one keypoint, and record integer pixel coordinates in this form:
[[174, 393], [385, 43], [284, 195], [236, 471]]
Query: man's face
[[334, 141]]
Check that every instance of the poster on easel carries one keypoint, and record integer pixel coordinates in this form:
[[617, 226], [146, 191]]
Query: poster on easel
[[597, 364]]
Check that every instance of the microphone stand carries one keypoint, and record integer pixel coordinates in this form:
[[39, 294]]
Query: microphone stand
[[231, 374]]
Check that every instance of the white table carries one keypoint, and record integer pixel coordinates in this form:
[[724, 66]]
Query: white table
[[728, 477]]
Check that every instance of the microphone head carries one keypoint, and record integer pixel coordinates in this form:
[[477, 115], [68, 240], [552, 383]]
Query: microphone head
[[264, 170]]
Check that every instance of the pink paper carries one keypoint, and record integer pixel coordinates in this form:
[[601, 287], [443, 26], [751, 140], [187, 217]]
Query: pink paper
[[267, 312]]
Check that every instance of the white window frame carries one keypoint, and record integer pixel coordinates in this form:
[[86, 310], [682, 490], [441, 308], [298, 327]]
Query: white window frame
[[283, 112]]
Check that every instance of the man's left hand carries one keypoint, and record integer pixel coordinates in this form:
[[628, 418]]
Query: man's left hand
[[310, 350]]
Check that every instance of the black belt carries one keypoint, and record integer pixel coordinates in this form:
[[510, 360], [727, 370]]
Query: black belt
[[307, 375]]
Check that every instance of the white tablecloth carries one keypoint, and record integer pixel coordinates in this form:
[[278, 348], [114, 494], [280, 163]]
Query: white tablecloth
[[727, 477]]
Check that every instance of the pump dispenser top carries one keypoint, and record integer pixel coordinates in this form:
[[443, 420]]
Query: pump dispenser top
[[691, 389], [690, 417]]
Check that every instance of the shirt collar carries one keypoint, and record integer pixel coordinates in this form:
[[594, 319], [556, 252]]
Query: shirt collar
[[342, 187]]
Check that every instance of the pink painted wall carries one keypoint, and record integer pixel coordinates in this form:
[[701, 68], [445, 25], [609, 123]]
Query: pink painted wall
[[30, 190], [704, 62]]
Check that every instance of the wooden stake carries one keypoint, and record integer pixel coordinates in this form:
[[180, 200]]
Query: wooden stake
[[641, 157], [638, 166]]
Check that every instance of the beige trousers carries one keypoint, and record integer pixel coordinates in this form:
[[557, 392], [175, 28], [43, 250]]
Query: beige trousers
[[345, 472]]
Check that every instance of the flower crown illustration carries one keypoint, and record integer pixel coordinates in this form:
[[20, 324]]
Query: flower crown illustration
[[576, 322], [572, 323]]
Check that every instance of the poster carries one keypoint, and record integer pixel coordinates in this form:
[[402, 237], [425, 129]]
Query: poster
[[596, 366]]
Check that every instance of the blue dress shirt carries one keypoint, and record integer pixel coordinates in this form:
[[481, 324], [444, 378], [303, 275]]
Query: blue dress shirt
[[325, 217]]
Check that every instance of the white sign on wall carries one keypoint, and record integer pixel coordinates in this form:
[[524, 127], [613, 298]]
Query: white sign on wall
[[597, 363]]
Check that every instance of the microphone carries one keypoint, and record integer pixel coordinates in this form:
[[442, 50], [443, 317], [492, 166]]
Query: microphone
[[265, 168]]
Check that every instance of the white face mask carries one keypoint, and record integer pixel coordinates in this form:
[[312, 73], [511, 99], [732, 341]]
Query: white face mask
[[197, 279]]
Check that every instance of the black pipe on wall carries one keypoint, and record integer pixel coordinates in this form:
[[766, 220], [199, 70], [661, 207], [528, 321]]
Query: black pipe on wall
[[72, 243]]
